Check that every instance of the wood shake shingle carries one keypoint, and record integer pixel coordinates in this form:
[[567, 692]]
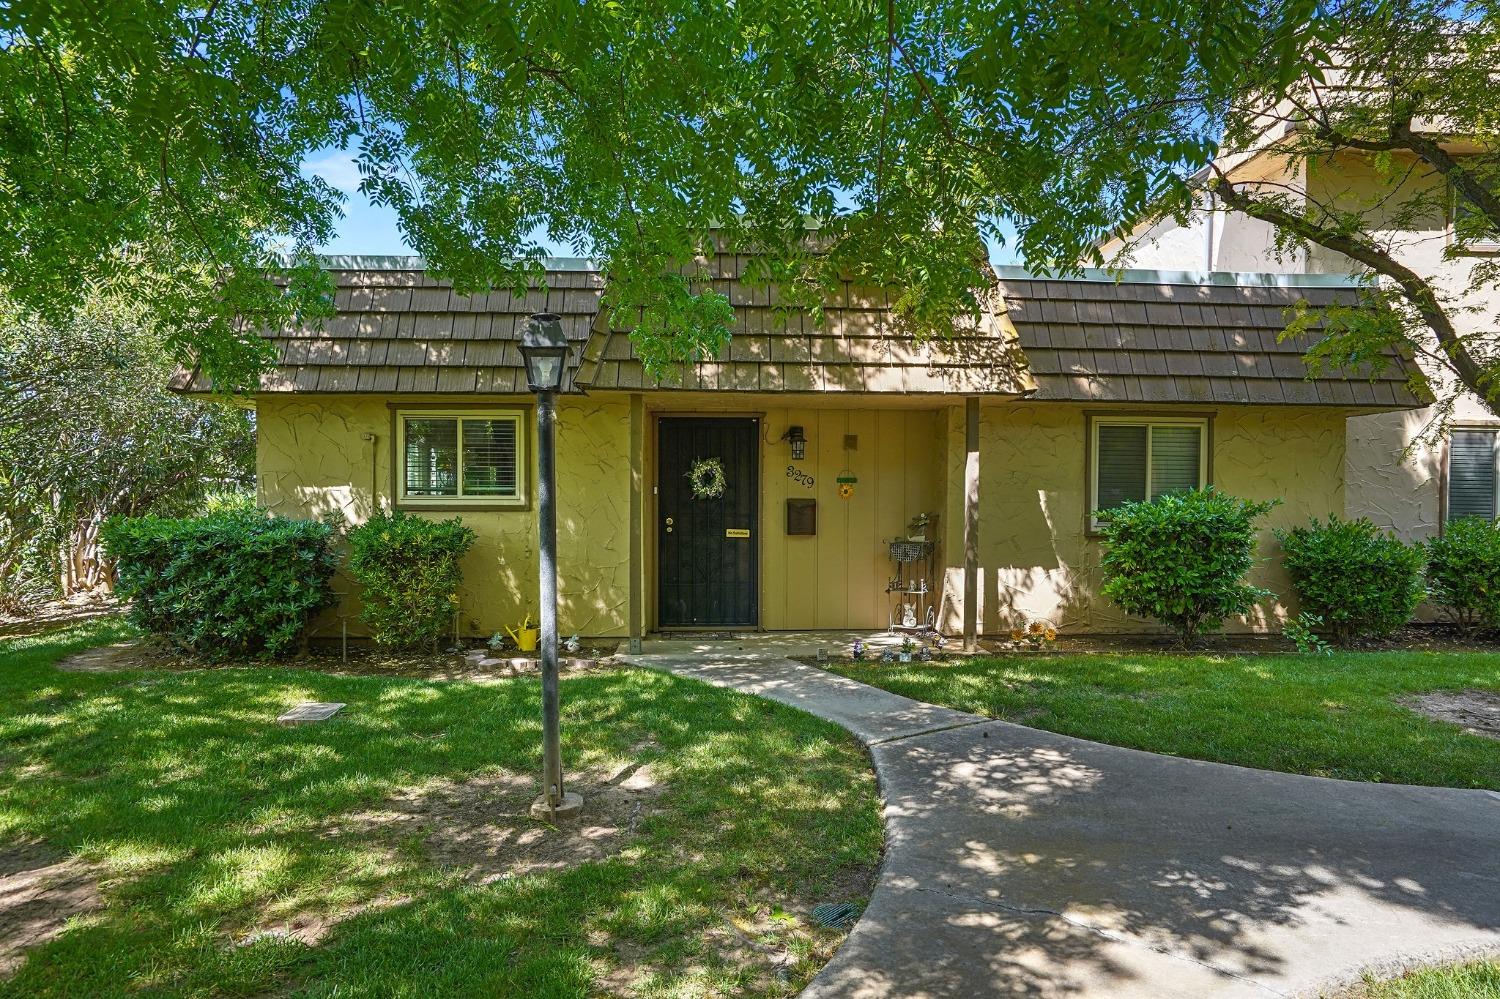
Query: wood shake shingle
[[1173, 340], [860, 346], [1162, 340]]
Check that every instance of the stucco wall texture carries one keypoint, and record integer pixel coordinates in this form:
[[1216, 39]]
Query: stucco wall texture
[[1036, 558], [331, 455]]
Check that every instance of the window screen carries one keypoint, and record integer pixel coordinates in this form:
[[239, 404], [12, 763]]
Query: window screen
[[1175, 454], [489, 457], [431, 457], [1471, 474], [1122, 464], [461, 457], [1138, 460]]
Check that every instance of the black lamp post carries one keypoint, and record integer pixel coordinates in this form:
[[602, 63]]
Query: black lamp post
[[545, 350]]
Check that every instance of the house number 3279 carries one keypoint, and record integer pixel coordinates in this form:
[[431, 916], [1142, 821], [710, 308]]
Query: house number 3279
[[800, 477]]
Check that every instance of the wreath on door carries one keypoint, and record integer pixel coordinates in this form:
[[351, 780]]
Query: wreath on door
[[707, 478]]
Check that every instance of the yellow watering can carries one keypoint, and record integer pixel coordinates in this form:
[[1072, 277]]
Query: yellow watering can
[[525, 636]]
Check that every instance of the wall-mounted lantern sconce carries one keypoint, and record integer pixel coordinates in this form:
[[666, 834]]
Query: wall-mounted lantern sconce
[[799, 442]]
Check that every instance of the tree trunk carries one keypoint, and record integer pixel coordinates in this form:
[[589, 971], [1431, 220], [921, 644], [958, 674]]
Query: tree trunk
[[85, 567]]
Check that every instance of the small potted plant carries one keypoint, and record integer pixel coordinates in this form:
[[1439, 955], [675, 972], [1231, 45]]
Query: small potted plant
[[907, 648]]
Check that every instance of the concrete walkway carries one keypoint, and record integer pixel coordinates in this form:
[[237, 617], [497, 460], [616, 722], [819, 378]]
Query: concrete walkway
[[1022, 863]]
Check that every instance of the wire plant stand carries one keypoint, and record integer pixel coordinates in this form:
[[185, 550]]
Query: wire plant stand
[[910, 589]]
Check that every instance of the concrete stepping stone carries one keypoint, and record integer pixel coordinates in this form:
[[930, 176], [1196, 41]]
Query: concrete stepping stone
[[310, 711]]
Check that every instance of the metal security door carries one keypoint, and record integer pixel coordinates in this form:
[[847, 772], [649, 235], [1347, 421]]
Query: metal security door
[[707, 549]]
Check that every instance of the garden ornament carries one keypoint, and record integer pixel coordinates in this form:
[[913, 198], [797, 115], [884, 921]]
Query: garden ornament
[[524, 635]]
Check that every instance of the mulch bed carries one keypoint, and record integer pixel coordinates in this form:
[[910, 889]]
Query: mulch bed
[[41, 889], [1478, 711], [363, 660], [1413, 638], [58, 614]]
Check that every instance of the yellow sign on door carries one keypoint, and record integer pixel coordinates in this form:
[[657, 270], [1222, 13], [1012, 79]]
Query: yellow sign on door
[[736, 532]]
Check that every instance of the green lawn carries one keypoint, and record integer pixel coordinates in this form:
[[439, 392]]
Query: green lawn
[[208, 822], [1333, 716], [1477, 980]]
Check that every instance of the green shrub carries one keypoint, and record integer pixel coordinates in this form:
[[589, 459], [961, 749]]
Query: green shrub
[[409, 568], [1463, 571], [231, 584], [1358, 579], [1182, 558]]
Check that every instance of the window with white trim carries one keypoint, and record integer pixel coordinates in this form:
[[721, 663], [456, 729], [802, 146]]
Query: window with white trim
[[1473, 468], [467, 457], [1468, 222], [1139, 458]]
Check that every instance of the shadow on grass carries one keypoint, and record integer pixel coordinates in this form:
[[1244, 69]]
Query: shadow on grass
[[211, 822], [1337, 716]]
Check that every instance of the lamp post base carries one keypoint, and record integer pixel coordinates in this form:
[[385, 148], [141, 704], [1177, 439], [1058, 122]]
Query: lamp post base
[[570, 807]]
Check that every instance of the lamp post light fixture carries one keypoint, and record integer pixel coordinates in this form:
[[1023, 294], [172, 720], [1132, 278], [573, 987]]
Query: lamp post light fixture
[[545, 350]]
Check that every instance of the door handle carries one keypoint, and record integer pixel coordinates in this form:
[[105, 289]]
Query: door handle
[[669, 525]]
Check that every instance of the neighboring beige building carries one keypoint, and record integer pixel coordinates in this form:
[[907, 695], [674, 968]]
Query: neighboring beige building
[[834, 438], [1399, 473]]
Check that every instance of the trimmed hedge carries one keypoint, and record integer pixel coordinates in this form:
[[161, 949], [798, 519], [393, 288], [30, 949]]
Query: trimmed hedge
[[226, 585], [1182, 559], [409, 568], [1360, 580], [1463, 571]]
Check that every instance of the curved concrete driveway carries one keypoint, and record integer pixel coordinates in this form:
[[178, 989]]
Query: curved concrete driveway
[[1022, 863]]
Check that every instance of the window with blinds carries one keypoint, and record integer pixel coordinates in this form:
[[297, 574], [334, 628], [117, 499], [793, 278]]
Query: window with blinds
[[1142, 458], [1471, 474], [461, 457], [1471, 224]]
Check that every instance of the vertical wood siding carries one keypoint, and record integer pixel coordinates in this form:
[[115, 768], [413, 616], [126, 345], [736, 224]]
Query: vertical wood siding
[[837, 578]]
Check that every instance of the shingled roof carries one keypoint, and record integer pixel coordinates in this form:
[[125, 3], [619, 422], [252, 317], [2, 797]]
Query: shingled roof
[[1148, 337], [860, 346], [1155, 337], [398, 329]]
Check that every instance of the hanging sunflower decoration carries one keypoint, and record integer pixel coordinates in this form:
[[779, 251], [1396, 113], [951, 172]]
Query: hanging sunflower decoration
[[706, 477], [846, 482]]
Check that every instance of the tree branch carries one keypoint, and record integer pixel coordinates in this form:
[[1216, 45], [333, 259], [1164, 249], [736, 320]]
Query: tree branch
[[1483, 198], [1414, 288], [916, 74], [1404, 137], [885, 101]]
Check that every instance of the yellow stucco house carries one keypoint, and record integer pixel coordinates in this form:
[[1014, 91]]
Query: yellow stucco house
[[834, 440]]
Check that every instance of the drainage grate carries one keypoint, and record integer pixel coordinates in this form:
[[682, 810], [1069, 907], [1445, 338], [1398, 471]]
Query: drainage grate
[[835, 915]]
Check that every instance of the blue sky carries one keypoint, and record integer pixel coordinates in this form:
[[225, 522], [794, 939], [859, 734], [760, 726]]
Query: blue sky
[[365, 228], [371, 229]]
